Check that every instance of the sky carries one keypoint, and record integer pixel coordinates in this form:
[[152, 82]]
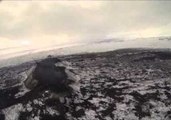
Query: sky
[[42, 24]]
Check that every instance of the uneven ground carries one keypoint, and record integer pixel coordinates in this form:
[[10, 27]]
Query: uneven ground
[[128, 84]]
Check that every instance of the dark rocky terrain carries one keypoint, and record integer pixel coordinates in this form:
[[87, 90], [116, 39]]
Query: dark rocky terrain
[[128, 84]]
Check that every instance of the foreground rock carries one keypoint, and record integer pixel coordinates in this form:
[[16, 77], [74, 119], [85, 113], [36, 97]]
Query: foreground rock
[[125, 84]]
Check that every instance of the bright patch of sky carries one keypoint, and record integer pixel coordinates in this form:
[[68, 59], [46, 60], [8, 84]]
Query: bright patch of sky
[[42, 24]]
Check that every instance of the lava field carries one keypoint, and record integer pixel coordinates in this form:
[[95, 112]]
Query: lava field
[[127, 84]]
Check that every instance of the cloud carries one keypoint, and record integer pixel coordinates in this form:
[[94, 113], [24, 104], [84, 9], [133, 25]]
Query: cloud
[[83, 21]]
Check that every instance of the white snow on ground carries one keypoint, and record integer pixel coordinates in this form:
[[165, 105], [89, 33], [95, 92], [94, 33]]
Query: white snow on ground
[[23, 91], [52, 111], [114, 87], [31, 55], [12, 113], [90, 115]]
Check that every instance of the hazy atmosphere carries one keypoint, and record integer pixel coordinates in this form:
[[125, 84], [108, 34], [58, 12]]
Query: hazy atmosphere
[[85, 60], [45, 24]]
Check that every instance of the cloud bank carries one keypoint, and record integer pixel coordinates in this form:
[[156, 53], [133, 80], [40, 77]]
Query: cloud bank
[[44, 23]]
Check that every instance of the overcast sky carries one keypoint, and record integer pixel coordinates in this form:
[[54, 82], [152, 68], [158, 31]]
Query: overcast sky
[[46, 23]]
